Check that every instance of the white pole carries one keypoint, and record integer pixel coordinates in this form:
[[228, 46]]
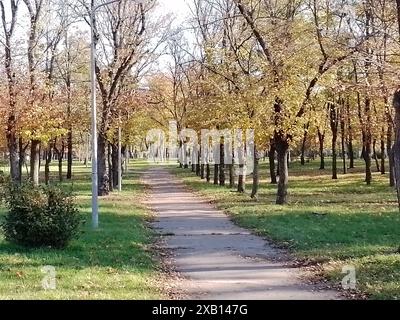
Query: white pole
[[95, 205], [95, 195], [119, 156]]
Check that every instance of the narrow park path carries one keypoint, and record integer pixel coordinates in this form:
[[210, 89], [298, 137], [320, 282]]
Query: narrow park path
[[217, 259]]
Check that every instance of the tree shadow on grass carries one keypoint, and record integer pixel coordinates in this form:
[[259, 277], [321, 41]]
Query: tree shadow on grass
[[334, 235], [81, 184], [120, 243]]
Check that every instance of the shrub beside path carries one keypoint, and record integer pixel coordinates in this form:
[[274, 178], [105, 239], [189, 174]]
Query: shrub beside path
[[217, 259]]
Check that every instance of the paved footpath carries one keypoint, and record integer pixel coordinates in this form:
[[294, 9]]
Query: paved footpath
[[217, 259]]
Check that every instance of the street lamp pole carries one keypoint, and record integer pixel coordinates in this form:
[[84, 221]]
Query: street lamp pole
[[95, 179]]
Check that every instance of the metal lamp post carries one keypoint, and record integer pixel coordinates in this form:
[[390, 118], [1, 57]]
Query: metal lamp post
[[95, 180]]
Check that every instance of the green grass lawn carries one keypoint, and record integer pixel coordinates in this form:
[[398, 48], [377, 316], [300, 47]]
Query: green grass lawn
[[361, 225], [114, 262]]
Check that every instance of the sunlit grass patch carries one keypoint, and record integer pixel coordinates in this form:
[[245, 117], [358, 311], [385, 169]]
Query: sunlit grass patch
[[338, 222], [114, 262]]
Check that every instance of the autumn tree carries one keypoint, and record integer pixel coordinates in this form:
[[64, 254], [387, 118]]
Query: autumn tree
[[123, 32], [12, 131], [396, 105], [287, 17]]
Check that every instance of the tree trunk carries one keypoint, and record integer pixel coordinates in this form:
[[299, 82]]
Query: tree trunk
[[368, 158], [87, 156], [321, 138], [231, 176], [115, 163], [222, 166], [216, 174], [343, 140], [241, 182], [202, 172], [21, 160], [389, 142], [126, 153], [103, 178], [351, 153], [334, 156], [232, 171], [70, 154], [398, 14], [304, 144], [282, 149], [60, 166], [396, 147], [367, 124], [12, 143], [208, 173], [350, 135], [49, 157], [367, 143], [180, 155], [378, 168], [272, 169], [198, 167], [277, 170], [35, 162], [334, 119], [123, 159], [69, 135], [60, 158], [193, 157], [256, 175], [383, 155], [110, 167], [185, 157], [11, 133]]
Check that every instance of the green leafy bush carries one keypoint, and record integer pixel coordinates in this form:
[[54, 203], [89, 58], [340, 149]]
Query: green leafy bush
[[40, 216]]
